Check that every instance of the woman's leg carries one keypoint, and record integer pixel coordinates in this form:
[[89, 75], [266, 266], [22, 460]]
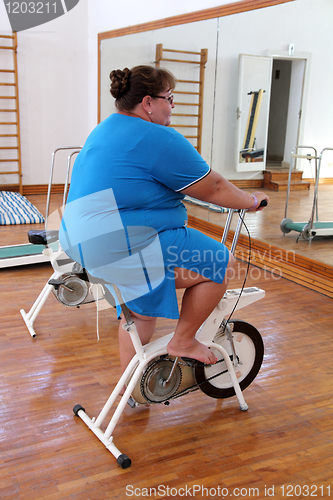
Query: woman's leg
[[145, 326], [199, 300]]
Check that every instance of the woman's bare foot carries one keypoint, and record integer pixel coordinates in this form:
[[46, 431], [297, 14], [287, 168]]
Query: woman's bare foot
[[195, 350]]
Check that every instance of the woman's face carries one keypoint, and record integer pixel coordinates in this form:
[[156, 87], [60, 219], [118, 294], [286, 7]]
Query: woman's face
[[161, 108]]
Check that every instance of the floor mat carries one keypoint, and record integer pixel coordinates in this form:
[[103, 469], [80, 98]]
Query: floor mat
[[16, 209]]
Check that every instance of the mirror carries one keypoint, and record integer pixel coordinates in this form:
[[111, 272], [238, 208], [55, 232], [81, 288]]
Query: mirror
[[227, 32], [253, 112]]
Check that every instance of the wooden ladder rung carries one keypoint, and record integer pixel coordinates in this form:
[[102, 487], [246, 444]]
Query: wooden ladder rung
[[5, 160], [8, 147], [8, 84], [7, 36], [8, 110], [5, 47], [7, 71], [185, 114], [8, 135], [8, 123], [11, 172], [7, 97], [186, 93], [180, 61], [181, 125], [189, 81], [182, 51], [186, 104]]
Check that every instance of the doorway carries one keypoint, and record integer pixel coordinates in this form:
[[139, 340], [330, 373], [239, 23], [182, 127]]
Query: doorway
[[285, 110]]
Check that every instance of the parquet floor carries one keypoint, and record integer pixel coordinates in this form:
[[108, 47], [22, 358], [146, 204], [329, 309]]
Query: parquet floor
[[282, 446], [265, 225]]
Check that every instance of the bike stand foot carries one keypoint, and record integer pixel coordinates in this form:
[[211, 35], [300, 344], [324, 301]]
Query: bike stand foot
[[77, 408], [124, 461]]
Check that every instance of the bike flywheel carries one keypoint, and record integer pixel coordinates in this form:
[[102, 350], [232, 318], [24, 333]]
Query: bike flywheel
[[156, 384], [73, 292]]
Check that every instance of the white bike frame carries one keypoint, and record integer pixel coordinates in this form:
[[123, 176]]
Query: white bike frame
[[237, 298]]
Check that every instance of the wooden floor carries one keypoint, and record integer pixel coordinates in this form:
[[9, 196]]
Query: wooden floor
[[282, 446], [265, 225]]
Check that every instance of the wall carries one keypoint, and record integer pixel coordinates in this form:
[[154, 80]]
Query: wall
[[53, 93]]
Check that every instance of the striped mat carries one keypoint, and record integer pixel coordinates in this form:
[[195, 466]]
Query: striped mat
[[16, 209]]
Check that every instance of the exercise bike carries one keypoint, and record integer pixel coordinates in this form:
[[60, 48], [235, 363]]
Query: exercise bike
[[155, 377]]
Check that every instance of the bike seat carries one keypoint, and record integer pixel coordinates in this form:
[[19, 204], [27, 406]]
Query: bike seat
[[42, 237]]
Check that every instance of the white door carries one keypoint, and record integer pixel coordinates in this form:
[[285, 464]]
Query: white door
[[254, 84]]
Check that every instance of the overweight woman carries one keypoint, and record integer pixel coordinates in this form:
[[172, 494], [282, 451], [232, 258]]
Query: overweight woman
[[125, 221]]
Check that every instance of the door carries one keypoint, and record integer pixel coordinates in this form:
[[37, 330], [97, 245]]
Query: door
[[254, 86]]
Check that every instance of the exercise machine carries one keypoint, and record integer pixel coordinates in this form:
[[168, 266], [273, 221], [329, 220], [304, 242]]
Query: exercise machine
[[46, 241], [155, 377], [313, 227]]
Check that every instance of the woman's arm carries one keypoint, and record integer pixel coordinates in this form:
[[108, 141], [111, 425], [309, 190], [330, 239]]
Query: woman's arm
[[216, 189]]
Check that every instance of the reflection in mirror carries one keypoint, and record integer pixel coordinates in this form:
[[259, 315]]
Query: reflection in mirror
[[190, 74], [226, 35], [198, 38], [250, 151], [253, 110]]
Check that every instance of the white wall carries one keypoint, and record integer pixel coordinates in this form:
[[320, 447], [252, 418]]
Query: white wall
[[54, 102]]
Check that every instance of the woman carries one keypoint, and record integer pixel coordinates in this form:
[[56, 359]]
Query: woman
[[125, 209]]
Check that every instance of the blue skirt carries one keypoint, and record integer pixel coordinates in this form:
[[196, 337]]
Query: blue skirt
[[185, 248]]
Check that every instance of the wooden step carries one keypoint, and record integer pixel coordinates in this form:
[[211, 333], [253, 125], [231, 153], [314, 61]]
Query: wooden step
[[277, 180], [283, 185]]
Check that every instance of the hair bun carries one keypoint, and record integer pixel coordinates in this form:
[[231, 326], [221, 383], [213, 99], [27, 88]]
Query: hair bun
[[119, 82]]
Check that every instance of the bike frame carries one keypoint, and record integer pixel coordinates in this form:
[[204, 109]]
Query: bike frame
[[233, 299]]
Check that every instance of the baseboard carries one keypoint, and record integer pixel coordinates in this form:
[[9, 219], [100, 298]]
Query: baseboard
[[248, 183], [323, 180], [30, 189]]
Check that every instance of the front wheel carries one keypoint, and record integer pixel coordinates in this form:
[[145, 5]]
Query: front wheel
[[249, 349]]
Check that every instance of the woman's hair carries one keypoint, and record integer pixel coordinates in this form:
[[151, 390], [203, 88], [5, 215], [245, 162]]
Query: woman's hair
[[129, 87]]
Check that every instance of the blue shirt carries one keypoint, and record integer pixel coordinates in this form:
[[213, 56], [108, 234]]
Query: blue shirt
[[124, 209]]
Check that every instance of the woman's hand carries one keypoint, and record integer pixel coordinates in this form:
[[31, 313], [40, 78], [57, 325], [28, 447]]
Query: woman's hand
[[258, 198]]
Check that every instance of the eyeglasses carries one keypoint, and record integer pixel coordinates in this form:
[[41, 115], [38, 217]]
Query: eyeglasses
[[169, 98]]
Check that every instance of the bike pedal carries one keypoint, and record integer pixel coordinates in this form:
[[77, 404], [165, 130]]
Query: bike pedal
[[193, 362], [131, 402]]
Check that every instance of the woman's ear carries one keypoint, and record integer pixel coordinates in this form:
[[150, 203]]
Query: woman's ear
[[147, 103]]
